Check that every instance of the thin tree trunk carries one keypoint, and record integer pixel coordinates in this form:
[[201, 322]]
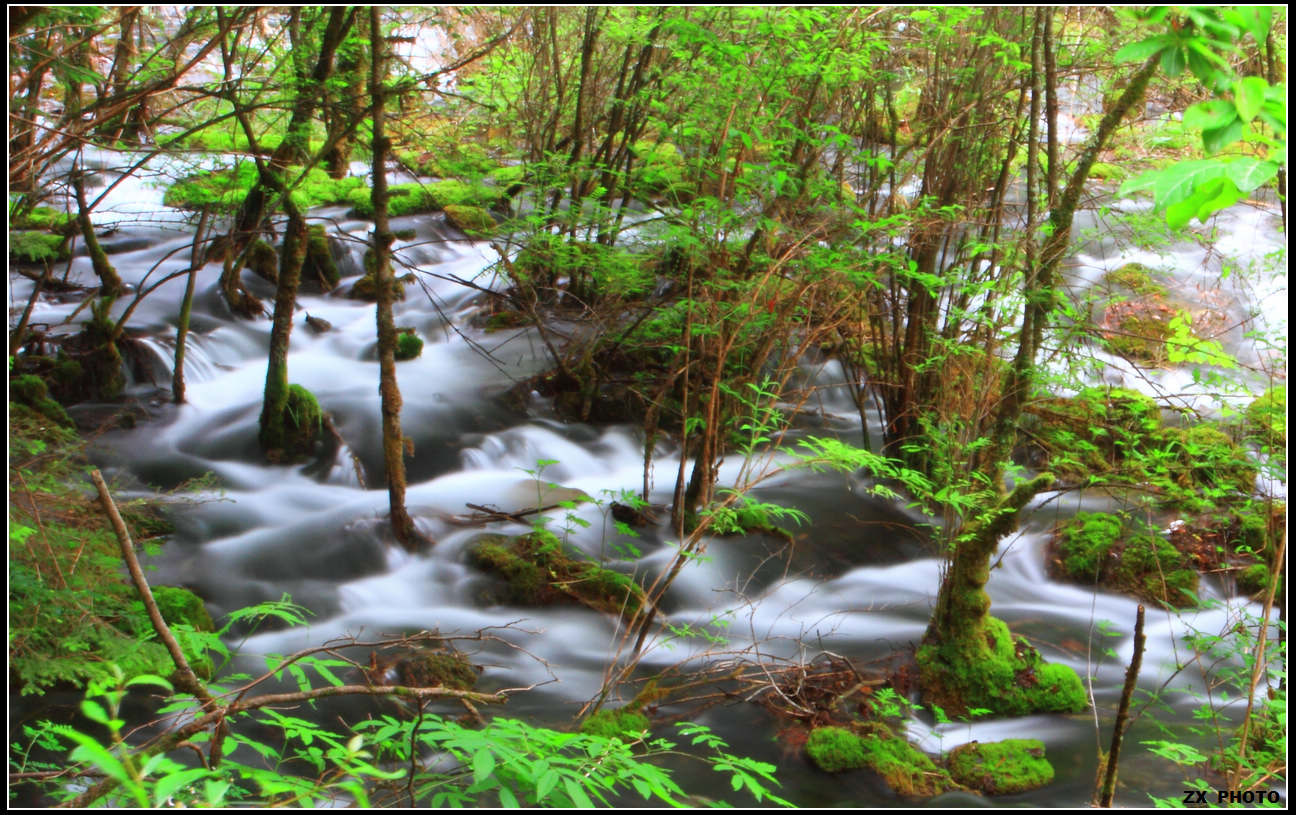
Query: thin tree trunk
[[186, 308], [393, 440], [276, 387]]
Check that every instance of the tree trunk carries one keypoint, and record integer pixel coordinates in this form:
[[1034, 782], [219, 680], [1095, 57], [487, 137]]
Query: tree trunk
[[276, 388], [393, 440]]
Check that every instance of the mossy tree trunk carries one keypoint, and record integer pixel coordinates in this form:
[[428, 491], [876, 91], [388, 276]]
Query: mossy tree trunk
[[276, 387], [309, 87], [393, 440]]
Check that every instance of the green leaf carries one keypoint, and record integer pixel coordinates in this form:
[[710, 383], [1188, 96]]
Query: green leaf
[[1248, 96], [483, 764], [1139, 51], [1251, 173], [546, 784], [1208, 114], [1181, 180], [1172, 62], [577, 793], [1217, 138], [94, 711]]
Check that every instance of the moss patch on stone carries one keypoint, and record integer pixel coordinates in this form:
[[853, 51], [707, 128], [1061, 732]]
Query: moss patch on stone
[[1001, 767], [906, 769], [1266, 420], [430, 668], [625, 724], [1100, 548], [538, 572], [303, 423], [472, 221], [998, 672], [1135, 278], [31, 390], [263, 260], [225, 189], [319, 266], [408, 346], [180, 606], [411, 199], [835, 749]]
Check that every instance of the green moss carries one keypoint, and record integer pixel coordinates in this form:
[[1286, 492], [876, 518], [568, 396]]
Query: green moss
[[905, 768], [225, 189], [44, 219], [624, 724], [1137, 278], [182, 607], [263, 260], [1084, 543], [32, 391], [319, 264], [37, 247], [428, 668], [415, 198], [537, 572], [1255, 578], [834, 749], [1002, 767], [1098, 548], [472, 221], [303, 423], [1141, 337], [1107, 172], [408, 346], [994, 671], [1205, 457], [366, 288]]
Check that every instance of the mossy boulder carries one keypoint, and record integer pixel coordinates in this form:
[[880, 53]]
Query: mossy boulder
[[1135, 278], [835, 749], [472, 221], [415, 198], [998, 672], [225, 189], [624, 724], [263, 260], [32, 391], [1001, 767], [366, 288], [320, 265], [1255, 579], [408, 346], [906, 769], [1096, 548], [303, 423], [1139, 332], [537, 572], [432, 668]]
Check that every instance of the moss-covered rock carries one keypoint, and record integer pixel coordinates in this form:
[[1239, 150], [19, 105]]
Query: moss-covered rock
[[31, 390], [1136, 278], [1140, 335], [303, 423], [415, 198], [1205, 457], [408, 346], [225, 189], [906, 769], [472, 221], [1001, 767], [320, 265], [624, 724], [997, 672], [366, 288], [263, 260], [432, 668], [538, 572], [1100, 548], [835, 749]]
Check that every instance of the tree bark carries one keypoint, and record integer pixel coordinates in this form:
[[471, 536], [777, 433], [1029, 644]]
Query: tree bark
[[393, 440]]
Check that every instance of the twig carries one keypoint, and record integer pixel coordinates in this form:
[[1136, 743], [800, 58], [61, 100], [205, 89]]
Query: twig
[[1122, 713]]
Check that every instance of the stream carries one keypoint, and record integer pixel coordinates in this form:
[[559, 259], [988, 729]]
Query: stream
[[858, 582]]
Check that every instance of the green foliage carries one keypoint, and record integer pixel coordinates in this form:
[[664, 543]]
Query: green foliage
[[1096, 548], [72, 616], [37, 247], [414, 198], [472, 221], [1001, 767], [1267, 419], [1244, 108]]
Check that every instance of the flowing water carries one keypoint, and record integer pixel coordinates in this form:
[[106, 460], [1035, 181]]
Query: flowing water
[[859, 581]]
